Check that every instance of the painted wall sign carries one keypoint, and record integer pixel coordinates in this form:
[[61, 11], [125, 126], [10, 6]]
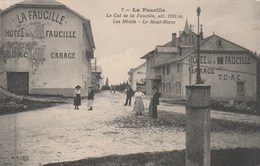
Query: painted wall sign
[[18, 49], [16, 54], [223, 60], [203, 70], [61, 34], [18, 33], [229, 77], [33, 15], [50, 34], [61, 55], [203, 60], [236, 60]]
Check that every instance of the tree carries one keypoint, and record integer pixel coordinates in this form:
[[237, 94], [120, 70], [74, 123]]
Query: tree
[[107, 84]]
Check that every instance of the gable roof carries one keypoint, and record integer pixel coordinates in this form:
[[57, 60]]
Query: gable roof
[[40, 2], [166, 49], [219, 44], [213, 44], [53, 4], [36, 4], [134, 69], [148, 54]]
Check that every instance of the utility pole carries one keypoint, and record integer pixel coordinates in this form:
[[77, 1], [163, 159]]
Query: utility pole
[[199, 81]]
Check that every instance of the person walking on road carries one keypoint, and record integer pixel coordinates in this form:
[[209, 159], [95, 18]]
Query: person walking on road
[[90, 98], [129, 95], [139, 105], [153, 103], [77, 97]]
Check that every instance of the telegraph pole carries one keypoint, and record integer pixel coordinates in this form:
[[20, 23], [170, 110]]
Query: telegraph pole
[[199, 81]]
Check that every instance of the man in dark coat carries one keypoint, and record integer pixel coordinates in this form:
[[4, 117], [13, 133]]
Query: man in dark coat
[[90, 98], [129, 95], [154, 102]]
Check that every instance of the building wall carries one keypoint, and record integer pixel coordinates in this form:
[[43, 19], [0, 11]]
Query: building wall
[[149, 75], [137, 75], [56, 64], [224, 78], [172, 80]]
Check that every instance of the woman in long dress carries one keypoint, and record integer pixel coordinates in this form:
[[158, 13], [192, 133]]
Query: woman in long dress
[[139, 105], [77, 97], [153, 103]]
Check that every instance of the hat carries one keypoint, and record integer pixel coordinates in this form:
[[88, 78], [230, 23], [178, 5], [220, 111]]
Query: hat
[[77, 86]]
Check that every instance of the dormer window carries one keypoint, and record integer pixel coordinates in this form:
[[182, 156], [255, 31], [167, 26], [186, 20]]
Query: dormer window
[[219, 43]]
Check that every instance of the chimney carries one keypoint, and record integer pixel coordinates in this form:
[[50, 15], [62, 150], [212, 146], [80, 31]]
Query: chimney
[[174, 38]]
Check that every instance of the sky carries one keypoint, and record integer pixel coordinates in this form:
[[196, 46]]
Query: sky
[[119, 46]]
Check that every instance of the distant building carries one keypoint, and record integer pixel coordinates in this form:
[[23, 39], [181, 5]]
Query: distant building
[[96, 77], [229, 68], [137, 77], [46, 48]]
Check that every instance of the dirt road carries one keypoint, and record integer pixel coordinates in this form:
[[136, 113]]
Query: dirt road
[[61, 133]]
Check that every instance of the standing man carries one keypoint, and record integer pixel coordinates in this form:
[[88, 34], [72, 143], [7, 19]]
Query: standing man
[[129, 94], [153, 103], [90, 98]]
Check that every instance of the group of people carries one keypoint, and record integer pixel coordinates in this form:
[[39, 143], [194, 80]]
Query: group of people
[[77, 97], [138, 103]]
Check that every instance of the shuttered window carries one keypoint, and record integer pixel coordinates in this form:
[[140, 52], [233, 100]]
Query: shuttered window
[[240, 88], [39, 31], [39, 54]]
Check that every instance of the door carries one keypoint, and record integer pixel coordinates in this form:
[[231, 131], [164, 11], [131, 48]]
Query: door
[[18, 82]]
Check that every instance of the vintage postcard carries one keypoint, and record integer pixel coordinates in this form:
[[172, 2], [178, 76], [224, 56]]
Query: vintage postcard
[[129, 82]]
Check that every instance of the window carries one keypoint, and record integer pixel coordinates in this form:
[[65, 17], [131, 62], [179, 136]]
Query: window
[[178, 68], [220, 60], [163, 87], [168, 70], [180, 49], [240, 88], [39, 31], [163, 71], [179, 88], [39, 54], [168, 88]]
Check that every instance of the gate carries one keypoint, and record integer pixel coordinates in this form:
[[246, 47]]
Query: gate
[[18, 82]]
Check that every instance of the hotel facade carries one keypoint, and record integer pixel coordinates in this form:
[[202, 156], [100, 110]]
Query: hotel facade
[[46, 48], [230, 69]]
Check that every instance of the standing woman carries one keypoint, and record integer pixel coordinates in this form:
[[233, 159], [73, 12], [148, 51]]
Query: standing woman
[[139, 105], [154, 102], [77, 98]]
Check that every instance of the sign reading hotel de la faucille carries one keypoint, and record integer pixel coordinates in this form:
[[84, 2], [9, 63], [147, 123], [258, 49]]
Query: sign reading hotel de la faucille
[[36, 16]]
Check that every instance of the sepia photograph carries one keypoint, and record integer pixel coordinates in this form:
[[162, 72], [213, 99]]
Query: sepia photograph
[[129, 82]]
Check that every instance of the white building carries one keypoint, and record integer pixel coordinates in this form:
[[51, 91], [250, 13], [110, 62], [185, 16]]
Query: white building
[[137, 76], [46, 48], [230, 69]]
